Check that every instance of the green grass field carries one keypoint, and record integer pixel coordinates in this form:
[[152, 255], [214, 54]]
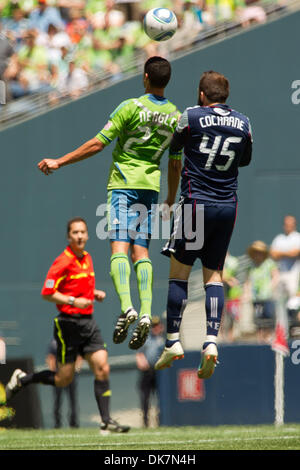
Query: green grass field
[[269, 437]]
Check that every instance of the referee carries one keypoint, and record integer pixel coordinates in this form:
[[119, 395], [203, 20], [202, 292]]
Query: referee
[[70, 284]]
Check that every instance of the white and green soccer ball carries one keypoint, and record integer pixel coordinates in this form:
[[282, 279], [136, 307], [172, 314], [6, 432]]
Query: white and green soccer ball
[[160, 24]]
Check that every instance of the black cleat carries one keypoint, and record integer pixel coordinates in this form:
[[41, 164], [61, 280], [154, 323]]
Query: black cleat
[[123, 323], [112, 426], [140, 333]]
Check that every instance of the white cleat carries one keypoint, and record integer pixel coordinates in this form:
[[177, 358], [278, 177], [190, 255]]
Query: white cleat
[[14, 384], [169, 355], [208, 361]]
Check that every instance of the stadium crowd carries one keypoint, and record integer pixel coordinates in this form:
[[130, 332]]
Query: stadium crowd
[[256, 283], [66, 46]]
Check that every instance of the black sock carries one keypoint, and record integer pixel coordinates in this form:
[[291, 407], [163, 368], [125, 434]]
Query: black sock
[[102, 395], [45, 377]]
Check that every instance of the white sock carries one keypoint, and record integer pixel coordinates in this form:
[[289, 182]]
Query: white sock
[[211, 339], [173, 336]]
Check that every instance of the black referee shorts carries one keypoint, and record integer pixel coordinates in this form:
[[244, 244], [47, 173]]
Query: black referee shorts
[[76, 336]]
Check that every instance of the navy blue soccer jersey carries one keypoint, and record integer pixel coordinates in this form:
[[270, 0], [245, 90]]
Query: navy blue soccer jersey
[[217, 140]]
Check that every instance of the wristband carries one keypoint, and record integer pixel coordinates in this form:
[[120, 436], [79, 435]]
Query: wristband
[[71, 300]]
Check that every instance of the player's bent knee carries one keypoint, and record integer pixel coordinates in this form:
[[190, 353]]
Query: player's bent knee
[[65, 375], [212, 275], [98, 362], [63, 381]]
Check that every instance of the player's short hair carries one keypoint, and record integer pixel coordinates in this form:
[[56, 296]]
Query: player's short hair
[[158, 70], [215, 86], [72, 221]]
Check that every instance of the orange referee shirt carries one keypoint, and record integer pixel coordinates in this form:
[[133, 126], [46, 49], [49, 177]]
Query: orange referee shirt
[[72, 276]]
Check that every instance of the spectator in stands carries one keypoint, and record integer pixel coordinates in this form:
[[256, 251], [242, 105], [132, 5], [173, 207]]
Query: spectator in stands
[[70, 390], [5, 8], [249, 14], [285, 250], [94, 57], [105, 17], [222, 10], [233, 292], [53, 40], [192, 17], [65, 7], [43, 15], [293, 311], [146, 5], [77, 27], [145, 361], [73, 81], [59, 64], [123, 54], [6, 52], [263, 279], [28, 70], [16, 25]]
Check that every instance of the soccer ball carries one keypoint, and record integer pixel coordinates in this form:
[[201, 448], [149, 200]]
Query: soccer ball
[[160, 24]]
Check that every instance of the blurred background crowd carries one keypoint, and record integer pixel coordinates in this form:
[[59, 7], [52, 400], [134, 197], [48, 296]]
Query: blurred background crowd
[[65, 46], [261, 281]]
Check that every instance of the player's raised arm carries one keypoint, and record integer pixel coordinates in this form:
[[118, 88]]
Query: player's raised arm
[[88, 149], [175, 154], [174, 171]]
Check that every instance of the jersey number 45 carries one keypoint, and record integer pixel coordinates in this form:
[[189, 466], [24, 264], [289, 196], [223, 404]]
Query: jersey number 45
[[215, 150]]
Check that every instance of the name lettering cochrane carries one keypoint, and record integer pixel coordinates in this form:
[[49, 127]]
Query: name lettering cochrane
[[230, 121]]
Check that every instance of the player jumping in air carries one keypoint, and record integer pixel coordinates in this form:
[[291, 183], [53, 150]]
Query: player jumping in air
[[144, 127], [217, 141]]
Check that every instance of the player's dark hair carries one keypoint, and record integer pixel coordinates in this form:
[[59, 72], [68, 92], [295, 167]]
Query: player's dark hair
[[72, 221], [158, 70], [215, 86]]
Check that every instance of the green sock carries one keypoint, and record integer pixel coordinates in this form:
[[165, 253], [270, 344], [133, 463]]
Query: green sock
[[144, 274], [120, 274]]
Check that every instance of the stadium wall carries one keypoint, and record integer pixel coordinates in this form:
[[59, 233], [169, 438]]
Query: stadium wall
[[241, 391], [260, 64]]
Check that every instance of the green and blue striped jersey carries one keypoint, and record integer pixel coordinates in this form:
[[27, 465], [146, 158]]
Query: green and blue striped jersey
[[144, 127]]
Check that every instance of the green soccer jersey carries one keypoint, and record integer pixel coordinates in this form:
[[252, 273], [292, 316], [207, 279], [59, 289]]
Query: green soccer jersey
[[261, 280], [144, 127]]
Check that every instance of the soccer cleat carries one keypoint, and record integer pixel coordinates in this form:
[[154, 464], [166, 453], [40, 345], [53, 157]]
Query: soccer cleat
[[208, 361], [140, 333], [14, 385], [169, 355], [112, 426], [123, 323]]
